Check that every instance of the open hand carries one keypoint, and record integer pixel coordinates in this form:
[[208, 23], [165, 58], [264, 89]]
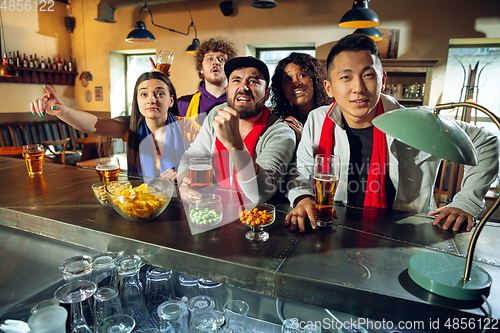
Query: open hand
[[452, 215]]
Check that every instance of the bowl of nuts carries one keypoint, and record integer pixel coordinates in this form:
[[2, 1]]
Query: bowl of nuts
[[257, 217], [100, 194]]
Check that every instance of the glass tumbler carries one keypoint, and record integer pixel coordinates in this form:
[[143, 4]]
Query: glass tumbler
[[131, 290], [204, 318], [290, 326], [173, 317], [235, 313], [104, 271], [214, 290], [158, 289], [326, 179], [106, 303], [76, 268], [189, 287]]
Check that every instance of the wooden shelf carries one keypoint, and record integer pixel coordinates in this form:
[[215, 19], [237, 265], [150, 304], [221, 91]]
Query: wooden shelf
[[408, 72], [41, 76]]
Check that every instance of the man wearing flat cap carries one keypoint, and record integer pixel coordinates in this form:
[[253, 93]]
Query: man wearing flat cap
[[250, 148]]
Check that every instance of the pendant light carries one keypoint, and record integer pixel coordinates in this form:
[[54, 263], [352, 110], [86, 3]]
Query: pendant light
[[6, 70], [141, 34], [85, 75], [360, 16], [265, 4], [373, 33]]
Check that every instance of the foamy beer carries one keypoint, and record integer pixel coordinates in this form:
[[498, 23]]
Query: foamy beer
[[164, 60], [34, 157], [108, 168], [326, 179], [200, 172]]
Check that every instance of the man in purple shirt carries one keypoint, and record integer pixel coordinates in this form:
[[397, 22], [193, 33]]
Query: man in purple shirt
[[210, 59]]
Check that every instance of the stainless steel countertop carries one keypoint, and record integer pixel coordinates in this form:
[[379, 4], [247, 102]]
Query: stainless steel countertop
[[357, 267]]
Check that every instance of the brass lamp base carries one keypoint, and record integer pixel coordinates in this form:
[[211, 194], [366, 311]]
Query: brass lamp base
[[442, 273]]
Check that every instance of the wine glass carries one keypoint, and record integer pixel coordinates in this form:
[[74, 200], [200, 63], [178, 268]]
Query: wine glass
[[116, 324], [75, 293], [257, 217]]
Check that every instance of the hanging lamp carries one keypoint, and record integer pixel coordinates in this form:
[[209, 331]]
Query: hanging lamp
[[360, 16], [265, 4], [373, 33], [85, 76]]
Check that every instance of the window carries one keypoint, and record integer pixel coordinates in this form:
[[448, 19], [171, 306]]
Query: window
[[271, 57], [135, 66], [483, 55]]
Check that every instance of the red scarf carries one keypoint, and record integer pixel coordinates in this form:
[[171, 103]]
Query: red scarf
[[221, 155], [375, 192]]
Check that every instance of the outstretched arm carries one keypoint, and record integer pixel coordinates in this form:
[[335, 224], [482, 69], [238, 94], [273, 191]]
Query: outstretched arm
[[86, 122]]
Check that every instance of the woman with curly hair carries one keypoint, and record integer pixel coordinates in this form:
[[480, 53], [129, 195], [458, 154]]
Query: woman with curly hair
[[297, 88]]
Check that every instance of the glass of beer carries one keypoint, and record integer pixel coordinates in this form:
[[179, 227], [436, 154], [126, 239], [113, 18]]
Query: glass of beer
[[326, 178], [200, 172], [34, 156], [164, 60], [108, 168]]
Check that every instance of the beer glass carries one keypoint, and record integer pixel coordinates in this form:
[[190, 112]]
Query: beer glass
[[326, 178], [164, 60], [200, 172], [34, 156], [108, 168]]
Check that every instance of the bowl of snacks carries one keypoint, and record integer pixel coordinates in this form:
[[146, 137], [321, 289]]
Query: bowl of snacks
[[257, 217], [140, 199], [99, 190], [206, 210]]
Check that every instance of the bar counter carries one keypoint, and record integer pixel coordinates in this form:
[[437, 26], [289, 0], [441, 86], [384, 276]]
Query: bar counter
[[359, 266]]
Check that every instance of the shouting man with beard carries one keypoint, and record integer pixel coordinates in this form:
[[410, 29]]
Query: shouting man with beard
[[210, 58], [250, 148]]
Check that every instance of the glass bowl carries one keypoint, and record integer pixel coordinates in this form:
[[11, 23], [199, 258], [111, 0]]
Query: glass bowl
[[140, 199], [257, 217], [206, 211], [99, 190]]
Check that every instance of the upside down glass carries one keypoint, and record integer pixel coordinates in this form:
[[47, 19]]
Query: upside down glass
[[34, 156], [164, 60], [326, 179]]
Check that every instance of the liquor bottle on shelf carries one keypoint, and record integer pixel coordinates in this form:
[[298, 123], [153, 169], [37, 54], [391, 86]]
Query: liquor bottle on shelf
[[37, 63], [25, 61], [42, 64], [59, 63], [54, 64], [11, 60], [5, 58], [70, 64], [19, 62], [65, 66], [32, 63]]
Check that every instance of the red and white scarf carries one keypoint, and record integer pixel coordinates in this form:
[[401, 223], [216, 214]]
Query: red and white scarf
[[378, 165]]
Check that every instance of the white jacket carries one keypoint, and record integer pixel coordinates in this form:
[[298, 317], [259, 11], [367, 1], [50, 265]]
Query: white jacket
[[413, 172]]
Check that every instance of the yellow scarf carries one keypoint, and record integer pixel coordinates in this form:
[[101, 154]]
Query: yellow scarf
[[194, 105]]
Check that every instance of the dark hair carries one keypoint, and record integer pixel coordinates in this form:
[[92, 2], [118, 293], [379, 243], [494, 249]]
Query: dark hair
[[133, 141], [352, 43], [213, 45], [309, 65]]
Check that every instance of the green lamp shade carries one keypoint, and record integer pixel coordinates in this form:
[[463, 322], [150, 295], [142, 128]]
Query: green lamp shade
[[191, 49], [429, 132], [360, 16], [140, 34], [373, 33]]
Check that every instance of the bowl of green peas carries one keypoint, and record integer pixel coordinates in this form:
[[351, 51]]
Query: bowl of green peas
[[206, 210]]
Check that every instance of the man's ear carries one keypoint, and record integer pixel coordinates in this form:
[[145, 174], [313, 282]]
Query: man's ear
[[384, 78], [328, 88], [268, 93]]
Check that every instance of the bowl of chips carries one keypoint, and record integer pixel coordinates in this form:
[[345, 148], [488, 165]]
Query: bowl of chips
[[140, 199], [99, 190]]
